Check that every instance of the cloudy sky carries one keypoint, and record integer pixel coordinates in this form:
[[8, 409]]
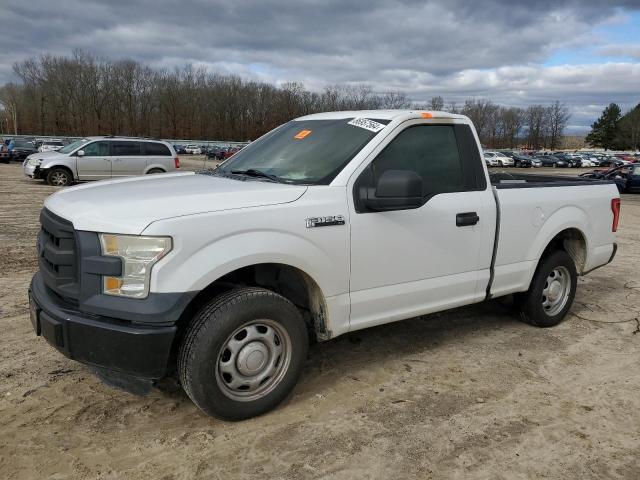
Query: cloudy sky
[[583, 52]]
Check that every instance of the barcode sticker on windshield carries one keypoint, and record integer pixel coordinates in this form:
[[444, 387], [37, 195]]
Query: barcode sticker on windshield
[[367, 124]]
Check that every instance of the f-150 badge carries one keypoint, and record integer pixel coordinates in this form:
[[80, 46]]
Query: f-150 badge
[[325, 221]]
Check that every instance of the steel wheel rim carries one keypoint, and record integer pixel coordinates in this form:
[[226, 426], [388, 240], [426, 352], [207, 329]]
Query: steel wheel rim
[[59, 179], [253, 360], [555, 293]]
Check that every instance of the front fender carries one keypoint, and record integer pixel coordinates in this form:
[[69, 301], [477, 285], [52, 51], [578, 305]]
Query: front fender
[[227, 254]]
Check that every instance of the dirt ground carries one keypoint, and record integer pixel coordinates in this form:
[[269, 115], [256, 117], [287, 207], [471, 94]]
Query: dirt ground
[[469, 393]]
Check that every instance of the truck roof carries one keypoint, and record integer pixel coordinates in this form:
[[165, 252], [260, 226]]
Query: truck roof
[[380, 114]]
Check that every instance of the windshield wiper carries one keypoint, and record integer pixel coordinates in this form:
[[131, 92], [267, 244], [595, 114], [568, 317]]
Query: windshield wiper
[[252, 172]]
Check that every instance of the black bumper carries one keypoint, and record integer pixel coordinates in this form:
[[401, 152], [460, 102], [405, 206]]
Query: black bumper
[[138, 350]]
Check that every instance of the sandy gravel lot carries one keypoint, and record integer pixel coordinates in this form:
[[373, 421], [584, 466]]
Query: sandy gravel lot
[[469, 393]]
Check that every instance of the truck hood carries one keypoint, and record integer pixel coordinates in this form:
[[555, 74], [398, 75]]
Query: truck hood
[[130, 205]]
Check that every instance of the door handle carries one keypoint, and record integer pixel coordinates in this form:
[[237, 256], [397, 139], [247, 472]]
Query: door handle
[[467, 218]]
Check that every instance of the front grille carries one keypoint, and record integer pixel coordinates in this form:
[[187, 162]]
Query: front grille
[[57, 255]]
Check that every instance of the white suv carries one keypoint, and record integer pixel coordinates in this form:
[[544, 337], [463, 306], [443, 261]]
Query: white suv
[[193, 149], [51, 146], [99, 158], [497, 159]]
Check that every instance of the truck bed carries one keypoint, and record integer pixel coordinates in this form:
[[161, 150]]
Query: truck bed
[[504, 180]]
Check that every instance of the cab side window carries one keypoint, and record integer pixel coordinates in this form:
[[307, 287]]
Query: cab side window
[[429, 150], [97, 149]]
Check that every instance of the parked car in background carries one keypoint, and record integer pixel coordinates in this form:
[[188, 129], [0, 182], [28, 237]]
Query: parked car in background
[[626, 177], [548, 160], [179, 149], [612, 162], [230, 151], [50, 146], [490, 160], [498, 159], [216, 153], [588, 162], [5, 157], [536, 162], [567, 161], [99, 158], [21, 149], [193, 150], [523, 161]]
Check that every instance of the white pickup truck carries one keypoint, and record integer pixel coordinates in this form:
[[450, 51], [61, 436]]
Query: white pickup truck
[[328, 224]]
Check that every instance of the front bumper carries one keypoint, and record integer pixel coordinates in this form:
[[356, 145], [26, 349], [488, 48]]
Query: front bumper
[[30, 170], [138, 350]]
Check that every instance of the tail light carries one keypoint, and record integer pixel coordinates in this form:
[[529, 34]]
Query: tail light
[[615, 208], [177, 160]]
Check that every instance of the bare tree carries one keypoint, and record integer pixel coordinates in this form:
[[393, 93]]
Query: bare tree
[[10, 98], [436, 104], [558, 117], [82, 94]]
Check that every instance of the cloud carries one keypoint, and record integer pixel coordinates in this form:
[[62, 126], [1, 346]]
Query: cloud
[[454, 48], [620, 50]]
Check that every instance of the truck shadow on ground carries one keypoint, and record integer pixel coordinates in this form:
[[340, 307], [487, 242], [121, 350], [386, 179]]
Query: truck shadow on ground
[[349, 354]]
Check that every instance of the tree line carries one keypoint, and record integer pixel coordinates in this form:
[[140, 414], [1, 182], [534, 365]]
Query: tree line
[[615, 131], [81, 95]]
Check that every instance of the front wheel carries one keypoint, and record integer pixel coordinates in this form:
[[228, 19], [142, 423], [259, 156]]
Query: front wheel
[[552, 291], [243, 353], [59, 177]]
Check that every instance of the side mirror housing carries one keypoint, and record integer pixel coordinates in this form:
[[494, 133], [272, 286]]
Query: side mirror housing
[[80, 153], [394, 190]]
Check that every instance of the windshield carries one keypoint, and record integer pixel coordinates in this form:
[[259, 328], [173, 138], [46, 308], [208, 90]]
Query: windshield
[[305, 151], [72, 146], [23, 144]]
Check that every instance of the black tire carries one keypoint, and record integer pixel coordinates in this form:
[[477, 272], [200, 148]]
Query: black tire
[[155, 170], [530, 303], [207, 342], [59, 177]]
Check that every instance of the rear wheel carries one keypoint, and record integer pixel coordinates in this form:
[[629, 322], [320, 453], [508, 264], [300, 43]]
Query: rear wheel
[[243, 353], [551, 293], [155, 170], [59, 177]]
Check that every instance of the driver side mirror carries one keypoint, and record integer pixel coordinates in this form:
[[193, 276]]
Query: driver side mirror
[[80, 153], [394, 190]]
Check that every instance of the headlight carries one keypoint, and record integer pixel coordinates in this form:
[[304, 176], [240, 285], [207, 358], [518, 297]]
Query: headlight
[[34, 161], [138, 255]]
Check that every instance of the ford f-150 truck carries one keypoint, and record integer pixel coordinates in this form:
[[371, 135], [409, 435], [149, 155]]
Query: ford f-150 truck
[[328, 224]]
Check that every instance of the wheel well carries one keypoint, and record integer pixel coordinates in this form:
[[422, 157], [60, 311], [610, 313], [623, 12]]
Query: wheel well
[[573, 242], [45, 171], [290, 282], [61, 167], [156, 168]]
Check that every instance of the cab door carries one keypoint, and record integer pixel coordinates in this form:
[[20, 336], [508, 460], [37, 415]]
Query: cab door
[[408, 262], [95, 163], [128, 158]]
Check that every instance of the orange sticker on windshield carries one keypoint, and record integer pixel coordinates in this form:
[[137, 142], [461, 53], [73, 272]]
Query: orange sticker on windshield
[[302, 134]]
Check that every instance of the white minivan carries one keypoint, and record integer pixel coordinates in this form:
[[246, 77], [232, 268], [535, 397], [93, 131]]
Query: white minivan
[[99, 158]]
